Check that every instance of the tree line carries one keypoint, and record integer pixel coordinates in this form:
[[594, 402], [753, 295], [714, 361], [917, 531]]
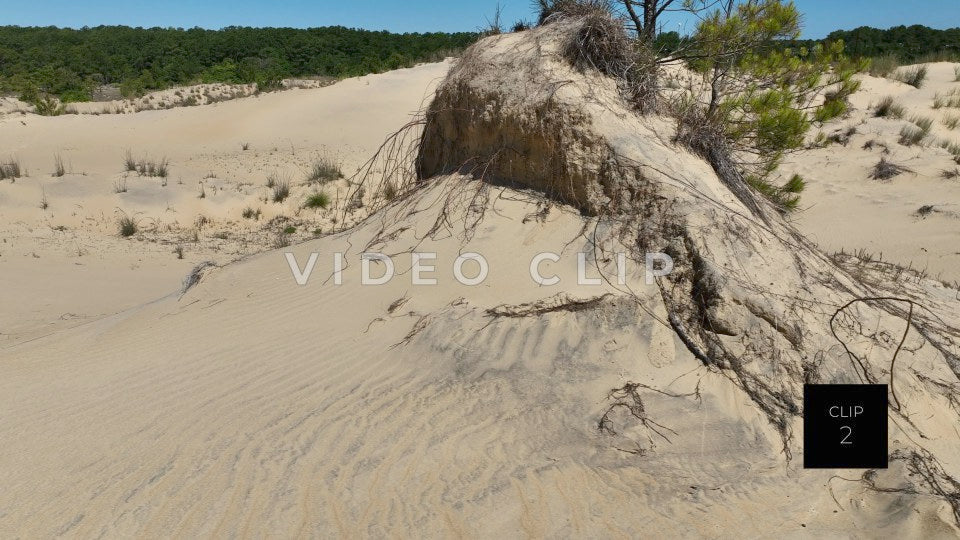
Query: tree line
[[71, 63]]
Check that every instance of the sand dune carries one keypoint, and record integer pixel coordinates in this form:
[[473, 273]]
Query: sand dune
[[47, 252], [253, 406]]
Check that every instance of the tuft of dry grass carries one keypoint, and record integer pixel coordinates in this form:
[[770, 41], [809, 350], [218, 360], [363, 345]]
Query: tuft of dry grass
[[951, 121], [58, 168], [602, 44], [885, 170], [10, 169]]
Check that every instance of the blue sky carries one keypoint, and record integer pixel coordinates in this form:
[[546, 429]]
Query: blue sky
[[820, 16]]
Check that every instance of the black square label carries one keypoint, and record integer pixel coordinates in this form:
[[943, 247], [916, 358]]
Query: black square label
[[845, 426]]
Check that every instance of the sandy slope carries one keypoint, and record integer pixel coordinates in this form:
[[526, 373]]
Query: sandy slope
[[67, 261], [253, 406]]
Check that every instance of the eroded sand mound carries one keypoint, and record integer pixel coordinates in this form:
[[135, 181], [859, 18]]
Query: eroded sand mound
[[252, 406]]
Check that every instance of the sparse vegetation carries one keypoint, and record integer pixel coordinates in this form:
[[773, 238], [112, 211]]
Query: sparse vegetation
[[881, 66], [885, 170], [43, 201], [950, 174], [951, 121], [289, 229], [145, 167], [324, 170], [129, 164], [888, 108], [250, 213], [281, 190], [120, 185], [317, 200], [913, 76], [58, 167], [950, 99], [10, 169], [389, 191], [127, 226], [178, 251], [245, 146]]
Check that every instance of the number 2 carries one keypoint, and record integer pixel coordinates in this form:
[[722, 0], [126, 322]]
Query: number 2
[[847, 436]]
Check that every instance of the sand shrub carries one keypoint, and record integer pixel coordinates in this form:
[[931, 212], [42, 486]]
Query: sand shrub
[[913, 76], [324, 170], [888, 108], [10, 169]]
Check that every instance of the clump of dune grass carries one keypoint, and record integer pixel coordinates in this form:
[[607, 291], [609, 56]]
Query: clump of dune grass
[[250, 213], [882, 66], [58, 168], [245, 146], [129, 164], [950, 174], [885, 170], [127, 226], [146, 167], [281, 190], [888, 108], [275, 178], [120, 185], [950, 99], [317, 200], [922, 122], [952, 147], [44, 204], [10, 169], [324, 170], [911, 135], [951, 121], [913, 76], [956, 73]]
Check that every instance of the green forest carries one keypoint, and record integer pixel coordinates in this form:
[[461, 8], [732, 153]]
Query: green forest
[[70, 63]]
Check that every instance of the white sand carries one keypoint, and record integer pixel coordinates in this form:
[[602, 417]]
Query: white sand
[[251, 406]]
